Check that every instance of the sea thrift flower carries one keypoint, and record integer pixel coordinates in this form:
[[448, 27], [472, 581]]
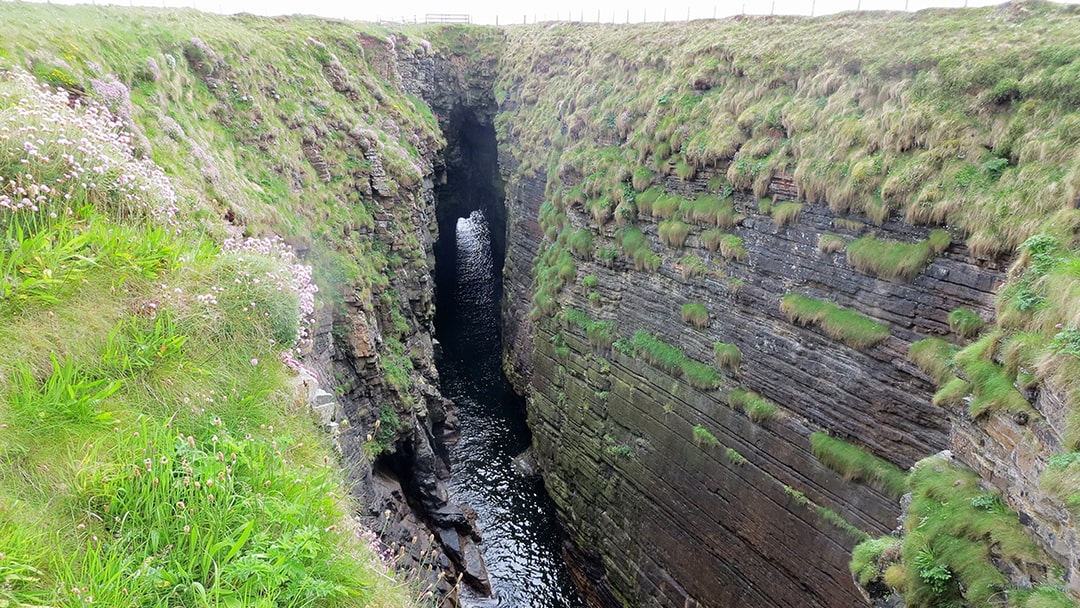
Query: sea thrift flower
[[85, 150]]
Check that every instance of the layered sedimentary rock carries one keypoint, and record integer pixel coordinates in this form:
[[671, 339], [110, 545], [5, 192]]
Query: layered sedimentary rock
[[674, 490], [666, 510]]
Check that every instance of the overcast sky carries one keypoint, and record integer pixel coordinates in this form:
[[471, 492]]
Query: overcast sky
[[490, 11]]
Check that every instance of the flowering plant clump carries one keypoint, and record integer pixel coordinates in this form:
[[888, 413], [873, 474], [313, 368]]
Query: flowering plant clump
[[57, 155], [296, 277]]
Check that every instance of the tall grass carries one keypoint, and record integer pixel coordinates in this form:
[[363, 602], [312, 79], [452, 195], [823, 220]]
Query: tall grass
[[673, 233], [857, 464], [991, 387], [695, 314], [895, 259], [704, 437], [710, 210], [728, 356], [955, 532], [154, 453], [934, 357], [965, 323], [786, 213], [757, 408], [838, 323], [674, 361]]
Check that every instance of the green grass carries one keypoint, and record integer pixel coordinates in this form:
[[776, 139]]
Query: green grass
[[712, 238], [983, 146], [673, 360], [870, 558], [831, 243], [581, 243], [728, 356], [692, 266], [731, 247], [952, 393], [757, 408], [786, 213], [601, 334], [838, 323], [645, 200], [849, 224], [894, 260], [1041, 597], [155, 452], [642, 178], [667, 205], [965, 323], [635, 246], [1061, 478], [856, 464], [710, 210], [704, 438], [735, 458], [992, 389], [955, 531], [933, 356], [974, 144], [673, 233], [826, 514], [695, 314]]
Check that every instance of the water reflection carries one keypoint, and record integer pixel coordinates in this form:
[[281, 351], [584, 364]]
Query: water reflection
[[516, 517]]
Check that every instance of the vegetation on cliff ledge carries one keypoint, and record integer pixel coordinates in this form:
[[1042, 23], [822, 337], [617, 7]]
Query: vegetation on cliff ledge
[[955, 533], [155, 449], [855, 463], [959, 118]]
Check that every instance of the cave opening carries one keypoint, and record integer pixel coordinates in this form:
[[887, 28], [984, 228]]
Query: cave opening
[[470, 182], [490, 470]]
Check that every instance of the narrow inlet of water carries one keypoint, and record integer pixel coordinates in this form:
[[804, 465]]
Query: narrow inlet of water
[[522, 537]]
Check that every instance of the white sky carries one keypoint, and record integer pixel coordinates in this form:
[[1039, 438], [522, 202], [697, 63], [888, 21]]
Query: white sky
[[488, 11]]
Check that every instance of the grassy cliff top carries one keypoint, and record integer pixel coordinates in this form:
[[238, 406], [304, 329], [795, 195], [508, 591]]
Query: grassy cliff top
[[967, 120], [155, 449], [291, 126], [964, 118]]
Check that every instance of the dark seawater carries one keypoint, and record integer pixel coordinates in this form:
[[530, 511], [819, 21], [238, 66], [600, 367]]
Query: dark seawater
[[516, 517]]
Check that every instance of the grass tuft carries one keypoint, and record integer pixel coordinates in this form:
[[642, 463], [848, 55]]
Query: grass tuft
[[831, 243], [581, 243], [704, 438], [692, 266], [758, 409], [601, 334], [870, 558], [933, 356], [856, 464], [965, 323], [838, 323], [786, 213], [893, 260], [735, 458], [695, 314], [674, 361], [728, 356], [731, 247], [710, 210], [673, 233], [991, 388]]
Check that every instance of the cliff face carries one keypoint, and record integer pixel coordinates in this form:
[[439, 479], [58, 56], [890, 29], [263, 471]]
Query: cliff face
[[615, 435], [309, 130], [726, 245], [711, 322]]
